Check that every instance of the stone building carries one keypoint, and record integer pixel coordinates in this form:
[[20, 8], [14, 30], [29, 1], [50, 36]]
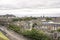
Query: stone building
[[50, 25], [5, 19], [41, 24]]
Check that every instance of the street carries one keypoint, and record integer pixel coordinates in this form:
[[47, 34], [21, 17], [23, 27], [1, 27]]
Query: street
[[12, 35]]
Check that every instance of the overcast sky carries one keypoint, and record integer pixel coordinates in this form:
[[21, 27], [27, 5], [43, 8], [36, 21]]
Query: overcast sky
[[30, 7], [16, 4], [32, 12]]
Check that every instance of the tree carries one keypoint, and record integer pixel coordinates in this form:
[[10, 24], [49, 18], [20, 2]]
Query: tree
[[34, 25], [14, 28], [36, 35], [47, 18], [15, 19], [58, 30]]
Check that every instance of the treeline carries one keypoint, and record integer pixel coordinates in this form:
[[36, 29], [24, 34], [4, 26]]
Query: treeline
[[24, 19], [32, 34]]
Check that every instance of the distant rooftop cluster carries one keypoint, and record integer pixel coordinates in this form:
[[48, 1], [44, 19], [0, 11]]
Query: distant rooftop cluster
[[7, 15]]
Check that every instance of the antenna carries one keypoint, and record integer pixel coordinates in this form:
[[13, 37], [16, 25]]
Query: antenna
[[43, 16]]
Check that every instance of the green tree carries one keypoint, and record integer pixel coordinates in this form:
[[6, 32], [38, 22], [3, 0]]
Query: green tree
[[47, 18], [15, 19], [14, 28], [58, 30], [36, 35], [34, 25]]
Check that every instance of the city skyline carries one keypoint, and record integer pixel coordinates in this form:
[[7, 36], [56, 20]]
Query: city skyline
[[32, 12], [30, 7]]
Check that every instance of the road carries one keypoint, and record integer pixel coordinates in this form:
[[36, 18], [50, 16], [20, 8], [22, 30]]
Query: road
[[12, 35]]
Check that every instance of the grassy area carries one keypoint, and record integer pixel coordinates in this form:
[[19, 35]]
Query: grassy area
[[3, 37]]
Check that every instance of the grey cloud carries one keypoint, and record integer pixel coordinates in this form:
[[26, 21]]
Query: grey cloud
[[17, 4]]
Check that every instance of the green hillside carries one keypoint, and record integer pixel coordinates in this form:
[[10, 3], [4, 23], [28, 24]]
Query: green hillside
[[3, 37]]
